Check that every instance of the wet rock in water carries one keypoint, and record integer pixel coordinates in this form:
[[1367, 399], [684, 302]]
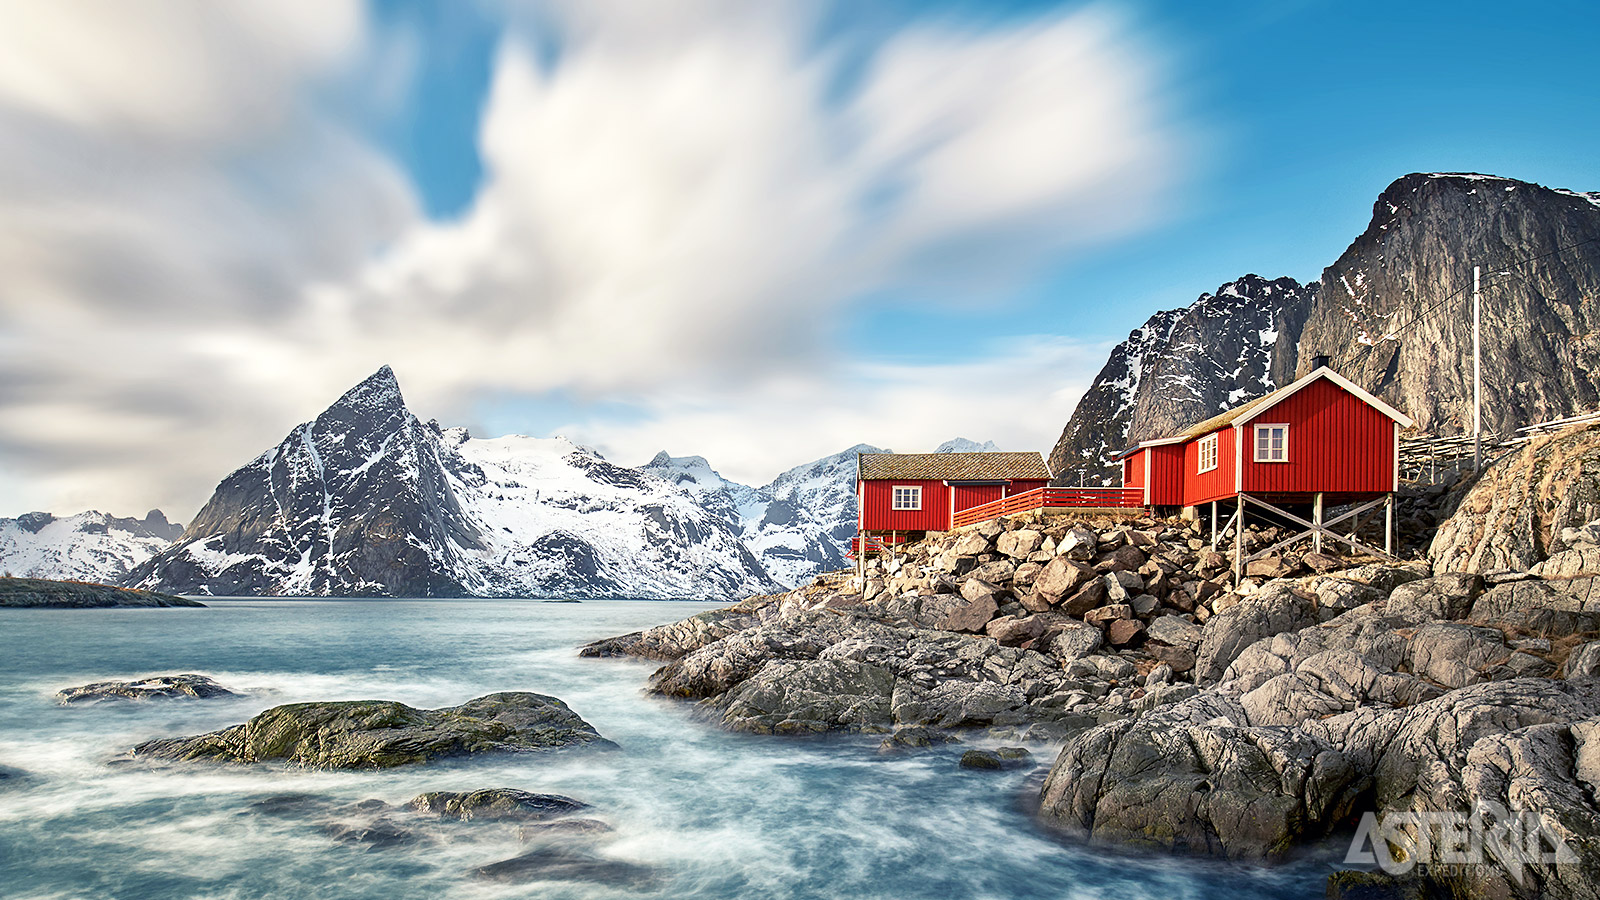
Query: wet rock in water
[[290, 805], [676, 639], [915, 737], [812, 696], [1378, 886], [560, 828], [157, 687], [1000, 758], [496, 805], [10, 776], [379, 834], [375, 734], [559, 863]]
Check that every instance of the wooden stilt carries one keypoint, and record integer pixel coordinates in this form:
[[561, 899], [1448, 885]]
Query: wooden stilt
[[1388, 525], [1238, 544], [1213, 524], [1316, 517]]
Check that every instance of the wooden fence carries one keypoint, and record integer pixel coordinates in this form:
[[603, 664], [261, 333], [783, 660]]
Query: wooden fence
[[1053, 498]]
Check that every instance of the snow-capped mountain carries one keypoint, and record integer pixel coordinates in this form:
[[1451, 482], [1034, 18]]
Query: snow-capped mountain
[[90, 546], [366, 500]]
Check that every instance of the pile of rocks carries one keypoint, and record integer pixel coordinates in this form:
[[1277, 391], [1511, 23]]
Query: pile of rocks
[[1194, 714]]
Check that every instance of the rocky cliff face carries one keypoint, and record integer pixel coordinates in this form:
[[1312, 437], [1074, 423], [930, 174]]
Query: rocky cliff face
[[89, 546], [366, 500], [1183, 366], [1395, 311]]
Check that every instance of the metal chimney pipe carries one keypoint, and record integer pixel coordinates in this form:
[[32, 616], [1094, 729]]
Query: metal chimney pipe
[[1321, 360]]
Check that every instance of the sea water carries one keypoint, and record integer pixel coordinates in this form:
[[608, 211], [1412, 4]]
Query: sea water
[[713, 815]]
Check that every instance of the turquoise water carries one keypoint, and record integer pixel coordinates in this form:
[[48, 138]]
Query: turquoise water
[[715, 815]]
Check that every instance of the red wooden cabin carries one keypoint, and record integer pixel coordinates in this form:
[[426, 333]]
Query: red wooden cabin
[[900, 494], [1321, 441]]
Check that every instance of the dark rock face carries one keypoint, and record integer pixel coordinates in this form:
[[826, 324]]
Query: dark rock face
[[376, 734], [1539, 335], [159, 687], [1183, 366], [356, 502], [40, 593]]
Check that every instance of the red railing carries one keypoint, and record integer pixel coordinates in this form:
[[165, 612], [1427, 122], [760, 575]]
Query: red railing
[[1052, 498]]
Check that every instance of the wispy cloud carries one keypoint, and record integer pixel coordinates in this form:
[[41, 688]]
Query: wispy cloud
[[679, 209]]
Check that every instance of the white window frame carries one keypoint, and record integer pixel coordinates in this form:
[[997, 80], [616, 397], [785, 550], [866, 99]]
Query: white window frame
[[912, 501], [1255, 442], [1208, 451]]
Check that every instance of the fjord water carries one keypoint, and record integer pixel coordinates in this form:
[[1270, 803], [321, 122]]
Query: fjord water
[[716, 815]]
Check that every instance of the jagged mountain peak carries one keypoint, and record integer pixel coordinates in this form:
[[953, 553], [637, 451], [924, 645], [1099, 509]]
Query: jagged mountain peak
[[962, 445]]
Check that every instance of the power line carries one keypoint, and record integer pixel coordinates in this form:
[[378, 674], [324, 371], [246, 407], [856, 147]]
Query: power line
[[1348, 363]]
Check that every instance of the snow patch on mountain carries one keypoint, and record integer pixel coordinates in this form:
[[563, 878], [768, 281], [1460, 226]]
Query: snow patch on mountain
[[89, 546]]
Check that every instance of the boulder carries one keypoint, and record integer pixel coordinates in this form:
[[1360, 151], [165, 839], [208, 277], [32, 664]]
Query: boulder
[[808, 697], [1014, 630], [156, 687], [1175, 630], [998, 572], [1441, 597], [969, 611], [1079, 543], [1108, 613], [1123, 632], [1273, 610], [1181, 779], [1456, 655], [495, 805], [1570, 563], [677, 639], [1584, 662], [915, 737], [971, 543], [1019, 544], [1061, 577], [374, 734], [1075, 641]]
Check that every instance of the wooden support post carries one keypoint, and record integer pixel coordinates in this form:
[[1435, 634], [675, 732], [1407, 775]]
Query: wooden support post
[[1213, 524], [1238, 545], [1316, 518], [1388, 525]]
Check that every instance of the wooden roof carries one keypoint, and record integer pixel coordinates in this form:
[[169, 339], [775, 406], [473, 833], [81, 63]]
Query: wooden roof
[[952, 466], [1267, 401]]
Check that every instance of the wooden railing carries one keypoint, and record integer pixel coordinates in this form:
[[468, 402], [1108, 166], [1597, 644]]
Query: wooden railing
[[1052, 498]]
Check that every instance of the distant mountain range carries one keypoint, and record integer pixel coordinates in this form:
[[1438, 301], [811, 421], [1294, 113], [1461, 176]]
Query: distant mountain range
[[1394, 314], [367, 500], [89, 546]]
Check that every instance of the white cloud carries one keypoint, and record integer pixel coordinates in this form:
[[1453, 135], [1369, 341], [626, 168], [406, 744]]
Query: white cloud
[[679, 209]]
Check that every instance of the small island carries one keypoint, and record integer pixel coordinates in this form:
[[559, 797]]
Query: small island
[[41, 593]]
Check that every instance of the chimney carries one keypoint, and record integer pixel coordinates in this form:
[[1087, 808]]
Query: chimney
[[1321, 361]]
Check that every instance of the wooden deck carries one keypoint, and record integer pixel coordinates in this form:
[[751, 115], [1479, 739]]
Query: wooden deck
[[1053, 499]]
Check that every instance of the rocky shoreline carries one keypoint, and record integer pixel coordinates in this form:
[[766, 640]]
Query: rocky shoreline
[[1198, 715], [41, 593]]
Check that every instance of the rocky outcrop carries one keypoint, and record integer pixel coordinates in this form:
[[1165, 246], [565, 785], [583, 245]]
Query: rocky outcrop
[[39, 593], [1170, 373], [156, 687], [1528, 511], [376, 734]]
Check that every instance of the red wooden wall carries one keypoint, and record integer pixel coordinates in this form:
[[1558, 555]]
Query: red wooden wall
[[1337, 443], [1166, 475], [966, 496], [1212, 485], [1133, 469]]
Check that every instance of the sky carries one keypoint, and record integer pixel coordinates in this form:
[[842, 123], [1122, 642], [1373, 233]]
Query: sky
[[760, 232]]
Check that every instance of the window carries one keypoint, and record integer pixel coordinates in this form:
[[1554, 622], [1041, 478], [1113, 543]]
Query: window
[[907, 497], [1272, 443], [1208, 453]]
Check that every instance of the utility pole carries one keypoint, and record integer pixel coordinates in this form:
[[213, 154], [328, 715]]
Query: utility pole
[[1477, 383]]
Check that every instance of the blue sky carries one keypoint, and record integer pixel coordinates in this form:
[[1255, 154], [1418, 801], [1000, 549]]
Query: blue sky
[[755, 231]]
